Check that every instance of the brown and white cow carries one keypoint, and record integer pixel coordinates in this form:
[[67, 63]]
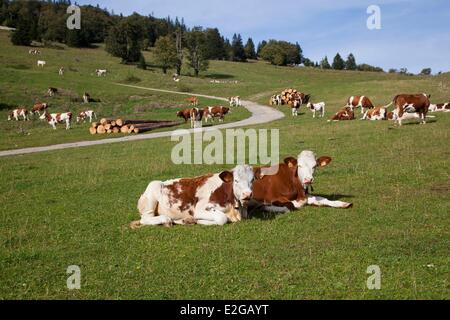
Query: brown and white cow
[[196, 117], [343, 115], [298, 100], [193, 101], [440, 107], [210, 113], [19, 113], [83, 115], [412, 103], [55, 118], [52, 91], [213, 199], [38, 108], [378, 113], [86, 98], [362, 102], [276, 100], [284, 187], [235, 101], [184, 114]]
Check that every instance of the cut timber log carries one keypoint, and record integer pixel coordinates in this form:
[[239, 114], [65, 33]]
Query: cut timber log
[[94, 125], [124, 129], [93, 130], [101, 129], [116, 130]]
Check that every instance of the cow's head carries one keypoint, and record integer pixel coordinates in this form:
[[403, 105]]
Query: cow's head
[[242, 178], [307, 164]]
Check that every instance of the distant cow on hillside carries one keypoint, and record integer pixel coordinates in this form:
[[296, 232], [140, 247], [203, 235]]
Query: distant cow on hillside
[[343, 115], [378, 113], [412, 103], [38, 108], [317, 107], [41, 63], [16, 114], [440, 107], [55, 118], [210, 113], [362, 102]]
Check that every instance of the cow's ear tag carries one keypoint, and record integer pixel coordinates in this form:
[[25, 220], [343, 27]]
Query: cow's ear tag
[[226, 176]]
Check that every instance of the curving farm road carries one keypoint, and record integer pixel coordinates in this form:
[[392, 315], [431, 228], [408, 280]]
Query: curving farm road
[[260, 115]]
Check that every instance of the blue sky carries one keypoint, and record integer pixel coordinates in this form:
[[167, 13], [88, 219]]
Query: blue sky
[[414, 34]]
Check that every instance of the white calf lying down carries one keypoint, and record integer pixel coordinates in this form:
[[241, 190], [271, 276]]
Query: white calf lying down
[[214, 199], [55, 118], [317, 107]]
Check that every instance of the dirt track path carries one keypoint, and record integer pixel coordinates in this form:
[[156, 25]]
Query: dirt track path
[[260, 115]]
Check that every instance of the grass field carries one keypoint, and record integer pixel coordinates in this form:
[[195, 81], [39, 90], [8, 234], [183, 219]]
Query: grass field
[[73, 207]]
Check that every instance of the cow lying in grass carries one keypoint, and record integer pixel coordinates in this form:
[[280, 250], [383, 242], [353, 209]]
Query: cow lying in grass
[[214, 199], [375, 114], [19, 113], [440, 107], [287, 189], [55, 118], [343, 115]]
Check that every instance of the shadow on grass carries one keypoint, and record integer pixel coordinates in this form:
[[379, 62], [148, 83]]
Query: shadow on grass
[[219, 76], [5, 106]]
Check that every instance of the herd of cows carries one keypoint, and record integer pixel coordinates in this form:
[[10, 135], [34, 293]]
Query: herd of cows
[[406, 107], [197, 115], [230, 196]]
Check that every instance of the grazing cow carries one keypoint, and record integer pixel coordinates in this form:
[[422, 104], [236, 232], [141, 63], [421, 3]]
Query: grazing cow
[[213, 199], [86, 97], [297, 101], [345, 114], [235, 101], [55, 118], [378, 113], [362, 102], [86, 114], [276, 100], [210, 113], [412, 103], [441, 107], [196, 117], [101, 72], [193, 101], [41, 63], [176, 77], [34, 52], [317, 107], [185, 114], [52, 91], [21, 112], [287, 189], [61, 71], [38, 108]]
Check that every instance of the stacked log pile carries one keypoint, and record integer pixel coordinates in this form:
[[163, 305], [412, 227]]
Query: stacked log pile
[[115, 126], [288, 96]]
